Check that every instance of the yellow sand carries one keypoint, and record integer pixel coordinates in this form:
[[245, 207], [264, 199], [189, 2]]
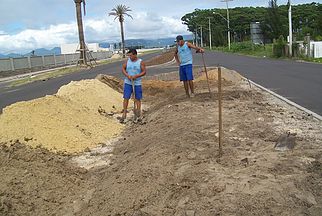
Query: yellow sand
[[226, 75], [68, 121]]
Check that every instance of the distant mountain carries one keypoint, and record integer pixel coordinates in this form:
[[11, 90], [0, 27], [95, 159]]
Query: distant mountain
[[43, 52], [146, 43], [13, 55], [37, 52], [104, 45]]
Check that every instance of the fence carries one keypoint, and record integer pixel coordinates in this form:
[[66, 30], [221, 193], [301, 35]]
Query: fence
[[34, 63]]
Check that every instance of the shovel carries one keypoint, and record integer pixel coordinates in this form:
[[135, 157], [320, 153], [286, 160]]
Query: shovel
[[205, 68], [134, 99], [204, 64]]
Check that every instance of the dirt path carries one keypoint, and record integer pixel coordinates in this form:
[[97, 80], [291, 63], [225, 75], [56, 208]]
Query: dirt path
[[169, 164]]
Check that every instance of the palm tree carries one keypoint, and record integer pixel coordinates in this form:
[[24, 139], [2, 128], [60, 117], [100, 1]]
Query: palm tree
[[119, 11], [82, 46]]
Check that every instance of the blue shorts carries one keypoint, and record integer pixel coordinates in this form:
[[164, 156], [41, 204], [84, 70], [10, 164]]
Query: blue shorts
[[186, 72], [128, 91]]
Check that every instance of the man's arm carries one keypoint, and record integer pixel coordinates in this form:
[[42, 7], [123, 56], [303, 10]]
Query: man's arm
[[143, 71], [190, 45], [124, 71], [176, 56]]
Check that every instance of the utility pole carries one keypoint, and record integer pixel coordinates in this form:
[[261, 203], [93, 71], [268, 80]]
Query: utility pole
[[82, 45], [201, 39], [196, 36], [210, 43], [228, 22], [290, 28]]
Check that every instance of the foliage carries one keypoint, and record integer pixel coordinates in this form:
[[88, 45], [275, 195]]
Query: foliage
[[248, 48], [307, 19], [119, 12], [279, 47]]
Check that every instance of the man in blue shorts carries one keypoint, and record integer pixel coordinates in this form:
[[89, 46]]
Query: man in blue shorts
[[183, 56], [133, 70]]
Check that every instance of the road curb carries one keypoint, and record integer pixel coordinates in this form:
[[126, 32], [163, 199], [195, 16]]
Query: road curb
[[315, 115]]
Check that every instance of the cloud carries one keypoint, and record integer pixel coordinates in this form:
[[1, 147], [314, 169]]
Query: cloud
[[144, 25], [36, 38], [147, 25]]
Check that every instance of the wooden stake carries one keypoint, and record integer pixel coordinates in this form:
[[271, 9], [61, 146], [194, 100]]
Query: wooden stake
[[220, 111]]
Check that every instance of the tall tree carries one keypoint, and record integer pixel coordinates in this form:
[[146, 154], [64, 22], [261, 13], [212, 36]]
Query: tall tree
[[276, 23], [307, 18], [119, 12], [82, 46]]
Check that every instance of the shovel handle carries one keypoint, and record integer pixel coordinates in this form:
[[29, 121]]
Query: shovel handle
[[204, 64], [133, 89]]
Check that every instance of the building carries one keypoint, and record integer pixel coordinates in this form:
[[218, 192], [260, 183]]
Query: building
[[72, 48], [256, 33]]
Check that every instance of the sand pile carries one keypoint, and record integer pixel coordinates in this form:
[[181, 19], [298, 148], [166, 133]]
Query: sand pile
[[226, 74], [69, 121]]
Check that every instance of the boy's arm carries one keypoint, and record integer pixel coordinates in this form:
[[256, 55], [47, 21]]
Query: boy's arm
[[190, 45], [124, 71], [176, 56], [143, 71]]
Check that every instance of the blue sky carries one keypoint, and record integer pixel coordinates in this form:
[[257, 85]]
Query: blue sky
[[30, 24]]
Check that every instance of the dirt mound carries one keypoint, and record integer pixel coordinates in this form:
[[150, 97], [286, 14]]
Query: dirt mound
[[71, 121], [227, 75], [38, 182], [170, 166], [113, 82], [161, 59]]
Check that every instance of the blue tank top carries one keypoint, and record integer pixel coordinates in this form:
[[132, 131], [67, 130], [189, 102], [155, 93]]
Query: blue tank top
[[185, 54], [133, 68]]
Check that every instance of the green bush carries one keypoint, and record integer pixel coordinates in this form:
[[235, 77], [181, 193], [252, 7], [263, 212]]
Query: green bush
[[244, 46], [318, 38], [279, 47]]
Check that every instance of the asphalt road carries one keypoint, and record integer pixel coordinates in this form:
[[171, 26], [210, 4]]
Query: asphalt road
[[299, 82]]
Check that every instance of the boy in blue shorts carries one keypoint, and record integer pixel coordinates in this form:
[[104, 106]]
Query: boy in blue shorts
[[133, 70], [183, 56]]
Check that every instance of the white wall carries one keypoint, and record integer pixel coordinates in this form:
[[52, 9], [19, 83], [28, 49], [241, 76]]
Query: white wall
[[316, 47], [71, 48]]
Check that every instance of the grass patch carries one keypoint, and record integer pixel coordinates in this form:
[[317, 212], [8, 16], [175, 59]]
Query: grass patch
[[249, 49], [316, 60], [45, 76], [108, 61], [149, 52]]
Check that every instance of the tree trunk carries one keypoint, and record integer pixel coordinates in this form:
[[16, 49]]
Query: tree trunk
[[82, 46], [123, 41]]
